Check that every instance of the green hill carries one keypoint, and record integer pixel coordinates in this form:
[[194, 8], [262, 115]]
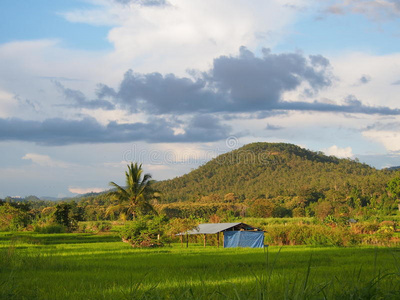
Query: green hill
[[269, 170]]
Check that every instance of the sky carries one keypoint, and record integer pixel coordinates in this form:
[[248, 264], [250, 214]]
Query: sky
[[86, 86]]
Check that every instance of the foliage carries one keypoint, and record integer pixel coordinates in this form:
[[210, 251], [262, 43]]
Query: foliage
[[323, 235], [257, 180], [393, 187], [145, 231], [12, 217], [50, 228], [176, 226], [135, 197], [95, 226], [285, 177]]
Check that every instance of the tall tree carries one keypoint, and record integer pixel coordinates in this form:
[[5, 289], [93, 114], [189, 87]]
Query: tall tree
[[393, 187], [135, 197]]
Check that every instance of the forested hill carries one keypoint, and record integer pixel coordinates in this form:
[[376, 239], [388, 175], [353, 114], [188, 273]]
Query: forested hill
[[268, 170]]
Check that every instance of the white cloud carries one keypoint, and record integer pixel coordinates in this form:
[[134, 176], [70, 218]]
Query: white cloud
[[389, 139], [45, 160], [339, 152], [8, 103], [349, 67], [80, 190], [150, 168], [186, 34]]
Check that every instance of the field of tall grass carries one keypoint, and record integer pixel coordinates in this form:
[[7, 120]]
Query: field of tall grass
[[89, 266]]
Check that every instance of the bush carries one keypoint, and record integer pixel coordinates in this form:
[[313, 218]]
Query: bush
[[51, 228], [145, 232], [312, 235], [96, 226], [12, 218]]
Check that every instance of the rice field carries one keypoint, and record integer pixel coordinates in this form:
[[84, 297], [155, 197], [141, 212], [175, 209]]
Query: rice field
[[89, 266]]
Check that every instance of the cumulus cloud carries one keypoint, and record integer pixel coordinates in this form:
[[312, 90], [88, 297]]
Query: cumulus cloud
[[78, 99], [80, 190], [242, 83], [172, 35], [45, 160], [388, 138], [200, 128], [273, 127], [364, 79], [339, 152], [236, 84], [387, 134]]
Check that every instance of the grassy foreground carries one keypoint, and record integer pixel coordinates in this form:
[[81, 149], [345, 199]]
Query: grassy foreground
[[86, 266]]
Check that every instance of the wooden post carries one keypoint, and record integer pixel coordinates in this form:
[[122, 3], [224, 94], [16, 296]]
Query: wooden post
[[187, 241], [218, 240], [205, 239]]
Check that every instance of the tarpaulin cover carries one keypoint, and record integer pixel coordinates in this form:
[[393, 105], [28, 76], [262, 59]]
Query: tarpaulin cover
[[252, 239]]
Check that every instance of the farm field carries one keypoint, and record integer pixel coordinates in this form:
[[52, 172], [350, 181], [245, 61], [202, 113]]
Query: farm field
[[88, 266]]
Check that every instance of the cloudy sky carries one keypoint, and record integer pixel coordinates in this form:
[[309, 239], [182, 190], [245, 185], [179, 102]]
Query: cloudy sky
[[88, 85]]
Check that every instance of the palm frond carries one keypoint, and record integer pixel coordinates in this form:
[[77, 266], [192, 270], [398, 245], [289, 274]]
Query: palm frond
[[138, 191], [113, 208]]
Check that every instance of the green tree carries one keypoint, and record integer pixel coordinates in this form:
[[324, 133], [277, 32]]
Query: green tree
[[145, 231], [393, 187], [135, 198], [12, 218], [65, 214]]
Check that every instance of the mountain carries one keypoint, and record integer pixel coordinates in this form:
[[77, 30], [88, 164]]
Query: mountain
[[269, 170], [393, 168]]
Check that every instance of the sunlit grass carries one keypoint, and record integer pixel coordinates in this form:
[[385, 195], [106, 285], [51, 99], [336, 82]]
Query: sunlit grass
[[85, 266]]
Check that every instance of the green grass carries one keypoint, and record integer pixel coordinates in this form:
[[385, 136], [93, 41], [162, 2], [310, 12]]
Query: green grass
[[85, 266]]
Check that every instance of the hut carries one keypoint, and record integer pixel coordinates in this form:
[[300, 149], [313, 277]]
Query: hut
[[234, 234]]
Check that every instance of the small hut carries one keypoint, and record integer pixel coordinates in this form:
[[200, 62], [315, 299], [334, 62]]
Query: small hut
[[234, 234]]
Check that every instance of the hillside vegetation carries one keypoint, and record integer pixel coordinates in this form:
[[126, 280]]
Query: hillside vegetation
[[270, 170], [257, 180]]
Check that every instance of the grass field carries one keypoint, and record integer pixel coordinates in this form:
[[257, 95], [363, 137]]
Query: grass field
[[86, 266]]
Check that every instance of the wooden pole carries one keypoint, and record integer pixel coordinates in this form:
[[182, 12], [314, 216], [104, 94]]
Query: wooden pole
[[187, 241], [218, 240], [205, 240]]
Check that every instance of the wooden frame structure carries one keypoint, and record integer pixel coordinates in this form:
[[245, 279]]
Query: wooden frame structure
[[215, 228]]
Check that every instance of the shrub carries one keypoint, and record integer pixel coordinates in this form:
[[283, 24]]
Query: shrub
[[12, 218], [95, 226], [313, 235], [299, 212], [366, 228], [50, 228], [145, 232]]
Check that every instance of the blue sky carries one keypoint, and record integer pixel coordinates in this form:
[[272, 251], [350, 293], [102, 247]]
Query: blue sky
[[88, 85], [32, 20], [352, 32]]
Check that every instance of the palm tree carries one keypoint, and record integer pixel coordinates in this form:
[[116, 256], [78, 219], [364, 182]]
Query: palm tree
[[136, 195]]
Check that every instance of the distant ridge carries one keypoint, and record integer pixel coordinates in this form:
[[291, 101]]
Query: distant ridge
[[271, 170], [393, 168]]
